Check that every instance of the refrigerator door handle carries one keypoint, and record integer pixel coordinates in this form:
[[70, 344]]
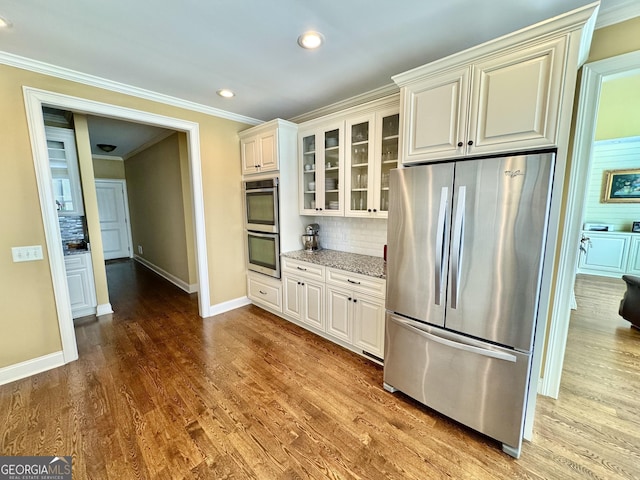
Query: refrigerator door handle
[[460, 346], [458, 236], [439, 266]]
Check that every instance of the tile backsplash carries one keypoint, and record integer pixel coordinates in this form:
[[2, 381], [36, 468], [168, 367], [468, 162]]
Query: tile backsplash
[[366, 236], [72, 229]]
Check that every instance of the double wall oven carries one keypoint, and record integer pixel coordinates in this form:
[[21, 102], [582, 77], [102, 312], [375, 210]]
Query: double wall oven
[[262, 226]]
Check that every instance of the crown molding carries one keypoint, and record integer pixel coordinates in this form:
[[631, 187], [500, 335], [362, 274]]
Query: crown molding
[[93, 81], [626, 11], [366, 97]]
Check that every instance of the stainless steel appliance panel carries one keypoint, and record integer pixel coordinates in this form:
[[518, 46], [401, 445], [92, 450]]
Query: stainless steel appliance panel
[[264, 253], [499, 222], [261, 205], [480, 385], [418, 240]]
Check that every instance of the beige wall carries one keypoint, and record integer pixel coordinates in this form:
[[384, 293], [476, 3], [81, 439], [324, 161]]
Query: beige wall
[[28, 321], [619, 108], [156, 206], [112, 169]]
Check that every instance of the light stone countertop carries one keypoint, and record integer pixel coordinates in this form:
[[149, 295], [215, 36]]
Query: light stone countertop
[[350, 262]]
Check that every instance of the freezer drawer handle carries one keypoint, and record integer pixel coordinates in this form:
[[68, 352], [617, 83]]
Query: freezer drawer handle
[[460, 346], [458, 238], [353, 281], [303, 269], [440, 243]]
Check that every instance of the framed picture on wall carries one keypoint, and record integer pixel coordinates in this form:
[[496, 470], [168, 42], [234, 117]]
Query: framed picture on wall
[[636, 227], [621, 186]]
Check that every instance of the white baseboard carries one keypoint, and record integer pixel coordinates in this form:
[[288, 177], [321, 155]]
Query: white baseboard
[[227, 306], [30, 367], [189, 288], [104, 309]]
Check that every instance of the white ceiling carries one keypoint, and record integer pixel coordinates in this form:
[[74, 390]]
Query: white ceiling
[[190, 49]]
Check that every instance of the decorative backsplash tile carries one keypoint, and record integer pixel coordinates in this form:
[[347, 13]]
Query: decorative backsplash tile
[[72, 229], [366, 236]]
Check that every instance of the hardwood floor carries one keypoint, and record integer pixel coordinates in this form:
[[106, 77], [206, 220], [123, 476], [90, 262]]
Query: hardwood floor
[[160, 393]]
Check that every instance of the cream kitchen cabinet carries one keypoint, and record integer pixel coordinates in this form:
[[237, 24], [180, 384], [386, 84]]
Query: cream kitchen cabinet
[[371, 152], [260, 147], [355, 310], [498, 102], [633, 265], [303, 286], [82, 291], [321, 169], [265, 291]]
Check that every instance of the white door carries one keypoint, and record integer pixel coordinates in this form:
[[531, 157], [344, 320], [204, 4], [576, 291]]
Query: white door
[[114, 224]]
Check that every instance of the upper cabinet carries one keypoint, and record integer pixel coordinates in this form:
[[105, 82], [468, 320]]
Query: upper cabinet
[[499, 103], [372, 151], [345, 159], [65, 174], [321, 169], [259, 148]]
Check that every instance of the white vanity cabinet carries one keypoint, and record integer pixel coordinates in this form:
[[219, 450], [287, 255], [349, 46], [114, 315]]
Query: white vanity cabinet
[[260, 146], [501, 101], [82, 291], [321, 158]]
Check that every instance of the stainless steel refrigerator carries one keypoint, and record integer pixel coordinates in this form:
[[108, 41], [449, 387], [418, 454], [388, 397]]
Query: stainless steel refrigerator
[[464, 265]]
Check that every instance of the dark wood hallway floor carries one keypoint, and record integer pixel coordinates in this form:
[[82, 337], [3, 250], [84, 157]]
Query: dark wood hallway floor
[[160, 393]]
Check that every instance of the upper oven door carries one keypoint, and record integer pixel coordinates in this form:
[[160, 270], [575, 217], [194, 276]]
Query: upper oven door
[[261, 206]]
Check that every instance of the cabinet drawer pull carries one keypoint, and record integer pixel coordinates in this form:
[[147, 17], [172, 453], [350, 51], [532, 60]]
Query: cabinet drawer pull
[[262, 293], [353, 281], [303, 269]]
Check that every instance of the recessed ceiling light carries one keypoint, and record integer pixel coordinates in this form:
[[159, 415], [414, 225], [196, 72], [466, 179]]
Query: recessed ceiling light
[[4, 23], [226, 93], [310, 40]]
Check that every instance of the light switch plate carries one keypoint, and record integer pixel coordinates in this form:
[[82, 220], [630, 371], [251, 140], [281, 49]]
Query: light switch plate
[[27, 254]]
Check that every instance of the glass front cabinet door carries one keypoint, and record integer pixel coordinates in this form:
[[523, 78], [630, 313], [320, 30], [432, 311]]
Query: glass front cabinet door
[[63, 160], [321, 160], [372, 151]]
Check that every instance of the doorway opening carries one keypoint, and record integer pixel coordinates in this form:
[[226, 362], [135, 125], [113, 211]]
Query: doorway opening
[[593, 75], [35, 99]]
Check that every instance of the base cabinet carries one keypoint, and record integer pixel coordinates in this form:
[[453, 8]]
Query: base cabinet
[[347, 307], [304, 301], [265, 291], [82, 291], [610, 254]]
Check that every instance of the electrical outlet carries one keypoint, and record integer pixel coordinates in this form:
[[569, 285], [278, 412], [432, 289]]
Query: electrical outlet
[[140, 250], [27, 254]]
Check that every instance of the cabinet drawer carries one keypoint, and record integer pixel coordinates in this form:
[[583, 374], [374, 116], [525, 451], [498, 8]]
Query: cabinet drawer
[[356, 282], [76, 262], [303, 269], [265, 291]]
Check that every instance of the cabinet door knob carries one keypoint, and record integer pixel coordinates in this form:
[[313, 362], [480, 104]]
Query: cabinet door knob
[[460, 144], [349, 298], [470, 142], [369, 210], [374, 210], [302, 283], [355, 300]]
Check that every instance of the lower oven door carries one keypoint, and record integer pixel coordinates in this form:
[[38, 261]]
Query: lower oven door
[[263, 253]]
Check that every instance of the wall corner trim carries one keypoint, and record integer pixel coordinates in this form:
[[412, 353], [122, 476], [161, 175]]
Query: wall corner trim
[[227, 306], [31, 367]]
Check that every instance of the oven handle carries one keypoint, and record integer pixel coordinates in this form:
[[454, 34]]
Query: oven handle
[[261, 190], [260, 234]]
